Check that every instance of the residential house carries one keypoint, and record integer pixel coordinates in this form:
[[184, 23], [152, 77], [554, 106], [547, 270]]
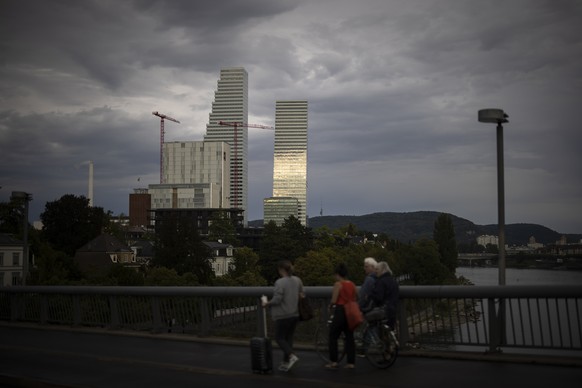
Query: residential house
[[100, 254], [11, 260]]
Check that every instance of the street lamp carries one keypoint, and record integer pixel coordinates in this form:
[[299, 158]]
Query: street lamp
[[26, 197], [499, 117]]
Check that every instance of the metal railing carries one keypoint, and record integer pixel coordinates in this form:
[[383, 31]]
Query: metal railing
[[491, 317]]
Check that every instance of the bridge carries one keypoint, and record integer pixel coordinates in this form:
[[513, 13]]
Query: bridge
[[143, 336]]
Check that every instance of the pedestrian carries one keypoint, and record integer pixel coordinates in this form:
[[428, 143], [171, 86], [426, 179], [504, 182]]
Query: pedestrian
[[284, 311], [385, 292], [368, 286], [343, 292], [365, 301]]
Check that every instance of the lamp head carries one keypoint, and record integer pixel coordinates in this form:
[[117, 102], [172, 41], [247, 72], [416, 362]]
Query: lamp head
[[496, 116]]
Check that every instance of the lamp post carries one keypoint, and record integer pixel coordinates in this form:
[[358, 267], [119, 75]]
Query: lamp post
[[499, 117], [26, 197]]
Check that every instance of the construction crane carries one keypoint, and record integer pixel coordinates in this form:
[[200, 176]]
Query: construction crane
[[162, 118], [235, 204]]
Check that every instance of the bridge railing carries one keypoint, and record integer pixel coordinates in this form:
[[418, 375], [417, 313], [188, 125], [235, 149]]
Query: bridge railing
[[451, 317]]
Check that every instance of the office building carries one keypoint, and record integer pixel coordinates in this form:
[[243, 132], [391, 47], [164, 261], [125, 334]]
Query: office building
[[231, 105], [277, 209], [197, 176], [290, 160]]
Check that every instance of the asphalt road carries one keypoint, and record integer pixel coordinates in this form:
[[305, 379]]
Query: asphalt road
[[37, 357]]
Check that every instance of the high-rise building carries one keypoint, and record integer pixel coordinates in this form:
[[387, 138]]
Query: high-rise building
[[196, 175], [290, 157], [231, 105]]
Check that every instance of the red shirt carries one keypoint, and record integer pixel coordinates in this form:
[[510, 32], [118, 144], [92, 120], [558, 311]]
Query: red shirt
[[347, 293]]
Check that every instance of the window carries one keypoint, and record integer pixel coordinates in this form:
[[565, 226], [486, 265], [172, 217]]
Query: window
[[1, 279], [16, 278], [16, 258], [1, 259]]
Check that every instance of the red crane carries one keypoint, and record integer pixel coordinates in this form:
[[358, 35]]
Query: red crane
[[235, 204], [162, 118]]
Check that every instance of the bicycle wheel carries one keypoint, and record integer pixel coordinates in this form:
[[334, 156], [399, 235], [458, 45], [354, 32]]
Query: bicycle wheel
[[322, 344], [382, 350]]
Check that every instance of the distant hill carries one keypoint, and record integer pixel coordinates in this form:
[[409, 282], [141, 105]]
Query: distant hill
[[413, 226]]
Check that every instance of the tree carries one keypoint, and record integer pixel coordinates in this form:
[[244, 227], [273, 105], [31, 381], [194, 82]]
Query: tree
[[245, 259], [422, 262], [316, 268], [179, 246], [69, 223], [222, 229], [444, 236], [287, 242]]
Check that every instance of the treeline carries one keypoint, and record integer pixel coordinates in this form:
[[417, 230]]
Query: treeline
[[182, 259]]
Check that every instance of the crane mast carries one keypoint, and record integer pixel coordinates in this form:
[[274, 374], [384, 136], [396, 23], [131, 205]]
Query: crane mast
[[162, 118]]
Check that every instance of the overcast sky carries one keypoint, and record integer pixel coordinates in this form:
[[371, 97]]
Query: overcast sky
[[394, 88]]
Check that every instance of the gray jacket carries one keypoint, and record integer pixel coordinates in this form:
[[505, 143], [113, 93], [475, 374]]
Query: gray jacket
[[285, 297]]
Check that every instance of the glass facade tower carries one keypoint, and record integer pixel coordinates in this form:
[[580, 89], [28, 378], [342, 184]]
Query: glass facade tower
[[231, 105], [290, 157]]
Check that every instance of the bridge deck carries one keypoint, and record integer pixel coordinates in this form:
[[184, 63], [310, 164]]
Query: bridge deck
[[39, 357]]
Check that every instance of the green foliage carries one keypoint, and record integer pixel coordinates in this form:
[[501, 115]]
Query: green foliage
[[119, 275], [316, 268], [245, 259], [11, 218], [422, 262], [162, 276], [69, 223], [222, 229], [52, 267], [287, 242], [444, 236], [179, 246]]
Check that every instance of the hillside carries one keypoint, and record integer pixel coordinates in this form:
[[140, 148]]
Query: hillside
[[413, 226]]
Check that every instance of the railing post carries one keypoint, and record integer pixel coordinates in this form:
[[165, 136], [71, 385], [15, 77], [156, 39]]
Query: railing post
[[14, 307], [204, 317], [114, 312], [157, 326], [495, 329], [43, 309], [76, 310], [403, 331], [261, 328]]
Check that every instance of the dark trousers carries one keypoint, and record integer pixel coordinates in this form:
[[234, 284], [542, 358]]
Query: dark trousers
[[284, 330], [339, 325]]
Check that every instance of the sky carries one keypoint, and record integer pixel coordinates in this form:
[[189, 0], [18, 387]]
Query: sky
[[393, 87]]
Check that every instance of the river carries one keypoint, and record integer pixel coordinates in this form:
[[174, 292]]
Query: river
[[481, 276]]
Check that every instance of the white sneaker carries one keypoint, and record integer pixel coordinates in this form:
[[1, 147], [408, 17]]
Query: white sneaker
[[284, 367], [292, 360]]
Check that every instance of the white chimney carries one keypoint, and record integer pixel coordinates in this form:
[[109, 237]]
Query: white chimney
[[90, 191]]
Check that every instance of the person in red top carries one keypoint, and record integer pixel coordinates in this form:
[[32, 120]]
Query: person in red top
[[343, 291]]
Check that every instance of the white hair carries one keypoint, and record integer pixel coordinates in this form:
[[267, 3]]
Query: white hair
[[384, 267], [371, 261]]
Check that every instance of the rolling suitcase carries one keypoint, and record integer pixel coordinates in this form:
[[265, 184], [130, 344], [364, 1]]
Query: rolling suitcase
[[262, 350]]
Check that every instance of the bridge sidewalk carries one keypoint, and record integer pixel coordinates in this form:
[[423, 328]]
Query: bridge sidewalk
[[41, 357]]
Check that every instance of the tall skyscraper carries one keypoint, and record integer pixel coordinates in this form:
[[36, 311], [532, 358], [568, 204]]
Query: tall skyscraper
[[290, 157], [231, 105]]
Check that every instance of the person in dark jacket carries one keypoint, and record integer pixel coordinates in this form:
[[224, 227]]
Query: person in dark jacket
[[385, 292]]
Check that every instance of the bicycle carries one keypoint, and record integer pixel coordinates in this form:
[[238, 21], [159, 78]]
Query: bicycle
[[374, 338], [322, 341], [380, 344]]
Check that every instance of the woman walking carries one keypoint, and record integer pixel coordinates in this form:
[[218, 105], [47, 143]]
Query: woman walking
[[344, 291], [284, 311]]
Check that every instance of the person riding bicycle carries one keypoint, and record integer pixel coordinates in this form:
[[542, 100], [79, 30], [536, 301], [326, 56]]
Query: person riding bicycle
[[368, 286], [385, 292]]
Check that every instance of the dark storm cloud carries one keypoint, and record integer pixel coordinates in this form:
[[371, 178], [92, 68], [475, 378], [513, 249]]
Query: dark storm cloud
[[393, 90]]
